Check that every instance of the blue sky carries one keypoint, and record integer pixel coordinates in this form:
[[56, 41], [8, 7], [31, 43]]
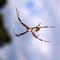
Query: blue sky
[[32, 12]]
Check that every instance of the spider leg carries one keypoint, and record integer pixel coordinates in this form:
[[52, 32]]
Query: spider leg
[[47, 27], [38, 24], [20, 33], [17, 12], [36, 36], [39, 38]]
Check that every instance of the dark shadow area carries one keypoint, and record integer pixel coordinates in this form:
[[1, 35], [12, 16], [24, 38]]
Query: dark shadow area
[[3, 3], [5, 37]]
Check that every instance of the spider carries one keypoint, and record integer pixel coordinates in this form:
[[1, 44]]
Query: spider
[[32, 30]]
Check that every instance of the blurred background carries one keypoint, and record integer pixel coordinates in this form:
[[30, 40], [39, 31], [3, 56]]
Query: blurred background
[[27, 47]]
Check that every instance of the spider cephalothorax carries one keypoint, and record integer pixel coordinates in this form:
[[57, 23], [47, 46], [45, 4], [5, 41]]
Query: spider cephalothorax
[[32, 30], [37, 29]]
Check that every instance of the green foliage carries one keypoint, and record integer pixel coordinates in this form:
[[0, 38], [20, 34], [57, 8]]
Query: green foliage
[[4, 35], [1, 20]]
